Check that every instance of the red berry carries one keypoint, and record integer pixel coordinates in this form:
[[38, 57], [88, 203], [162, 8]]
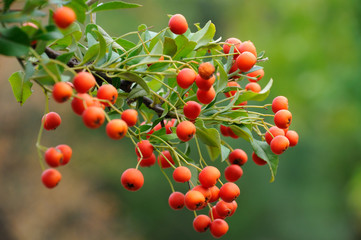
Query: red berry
[[257, 160], [108, 92], [232, 92], [273, 132], [62, 92], [130, 116], [176, 200], [238, 156], [116, 129], [205, 84], [201, 223], [245, 61], [165, 159], [224, 131], [194, 200], [83, 82], [145, 147], [279, 144], [64, 17], [132, 179], [50, 177], [93, 117], [192, 110], [283, 118], [247, 46], [209, 176], [229, 192], [214, 194], [53, 157], [254, 87], [206, 70], [233, 172], [82, 101], [178, 24], [185, 131], [223, 208], [206, 96], [186, 77], [66, 151], [256, 74], [51, 121], [229, 42], [182, 174], [292, 137], [279, 103], [205, 191], [213, 212], [219, 227], [147, 162]]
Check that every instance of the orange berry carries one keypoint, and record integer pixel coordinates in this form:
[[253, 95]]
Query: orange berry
[[145, 147], [283, 118], [50, 178], [218, 228], [229, 192], [256, 74], [213, 212], [192, 110], [205, 84], [209, 176], [279, 144], [178, 24], [223, 208], [80, 102], [247, 46], [83, 82], [62, 92], [232, 92], [51, 121], [108, 92], [229, 42], [147, 162], [116, 129], [205, 191], [194, 200], [292, 137], [224, 130], [238, 156], [257, 160], [279, 103], [182, 174], [273, 131], [93, 117], [214, 193], [185, 131], [64, 17], [130, 116], [53, 157], [176, 200], [207, 96], [206, 70], [66, 151], [233, 172], [201, 223], [245, 61], [166, 160], [132, 179], [254, 87], [186, 77]]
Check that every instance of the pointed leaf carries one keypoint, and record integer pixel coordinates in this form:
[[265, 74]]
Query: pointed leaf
[[21, 88], [205, 35], [114, 5], [135, 78], [14, 42], [249, 95]]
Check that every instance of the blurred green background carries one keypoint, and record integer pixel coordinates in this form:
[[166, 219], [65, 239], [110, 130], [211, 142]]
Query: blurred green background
[[314, 47]]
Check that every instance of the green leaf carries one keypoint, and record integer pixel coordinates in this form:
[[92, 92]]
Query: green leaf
[[31, 5], [223, 77], [242, 131], [80, 8], [205, 35], [224, 152], [21, 87], [157, 50], [14, 42], [50, 32], [90, 54], [155, 84], [263, 150], [184, 47], [170, 46], [135, 78], [137, 92], [262, 95], [102, 46], [125, 43], [114, 5], [210, 137], [7, 4]]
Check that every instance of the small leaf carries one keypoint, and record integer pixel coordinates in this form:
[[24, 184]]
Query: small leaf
[[224, 152], [21, 87], [114, 5], [170, 46], [210, 137], [184, 47], [102, 46], [223, 77], [263, 150], [205, 35], [90, 54]]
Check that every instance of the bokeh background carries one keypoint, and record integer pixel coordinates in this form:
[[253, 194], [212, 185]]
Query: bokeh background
[[314, 47]]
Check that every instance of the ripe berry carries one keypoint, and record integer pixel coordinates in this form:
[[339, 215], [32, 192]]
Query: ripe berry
[[238, 156], [165, 159], [213, 212], [224, 131], [245, 61], [50, 177], [256, 74], [279, 103], [229, 42], [147, 162], [66, 151], [233, 205], [93, 117], [185, 131], [83, 82], [168, 126], [257, 160], [205, 84], [292, 137], [182, 174], [206, 70], [116, 129], [205, 191], [51, 121], [232, 92], [229, 192], [279, 144], [232, 134], [223, 208], [233, 172], [283, 119], [186, 77], [64, 17], [247, 46], [273, 132], [132, 179], [176, 200], [201, 223], [62, 92], [130, 116], [82, 101], [218, 228], [209, 176], [254, 87], [108, 92], [192, 110], [178, 24], [53, 157], [194, 200], [145, 147], [206, 97], [214, 193]]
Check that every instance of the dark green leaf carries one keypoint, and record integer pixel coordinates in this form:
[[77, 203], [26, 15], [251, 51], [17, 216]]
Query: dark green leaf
[[14, 42], [7, 4], [65, 57], [137, 92], [50, 32], [135, 78], [20, 87], [114, 5], [102, 46]]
